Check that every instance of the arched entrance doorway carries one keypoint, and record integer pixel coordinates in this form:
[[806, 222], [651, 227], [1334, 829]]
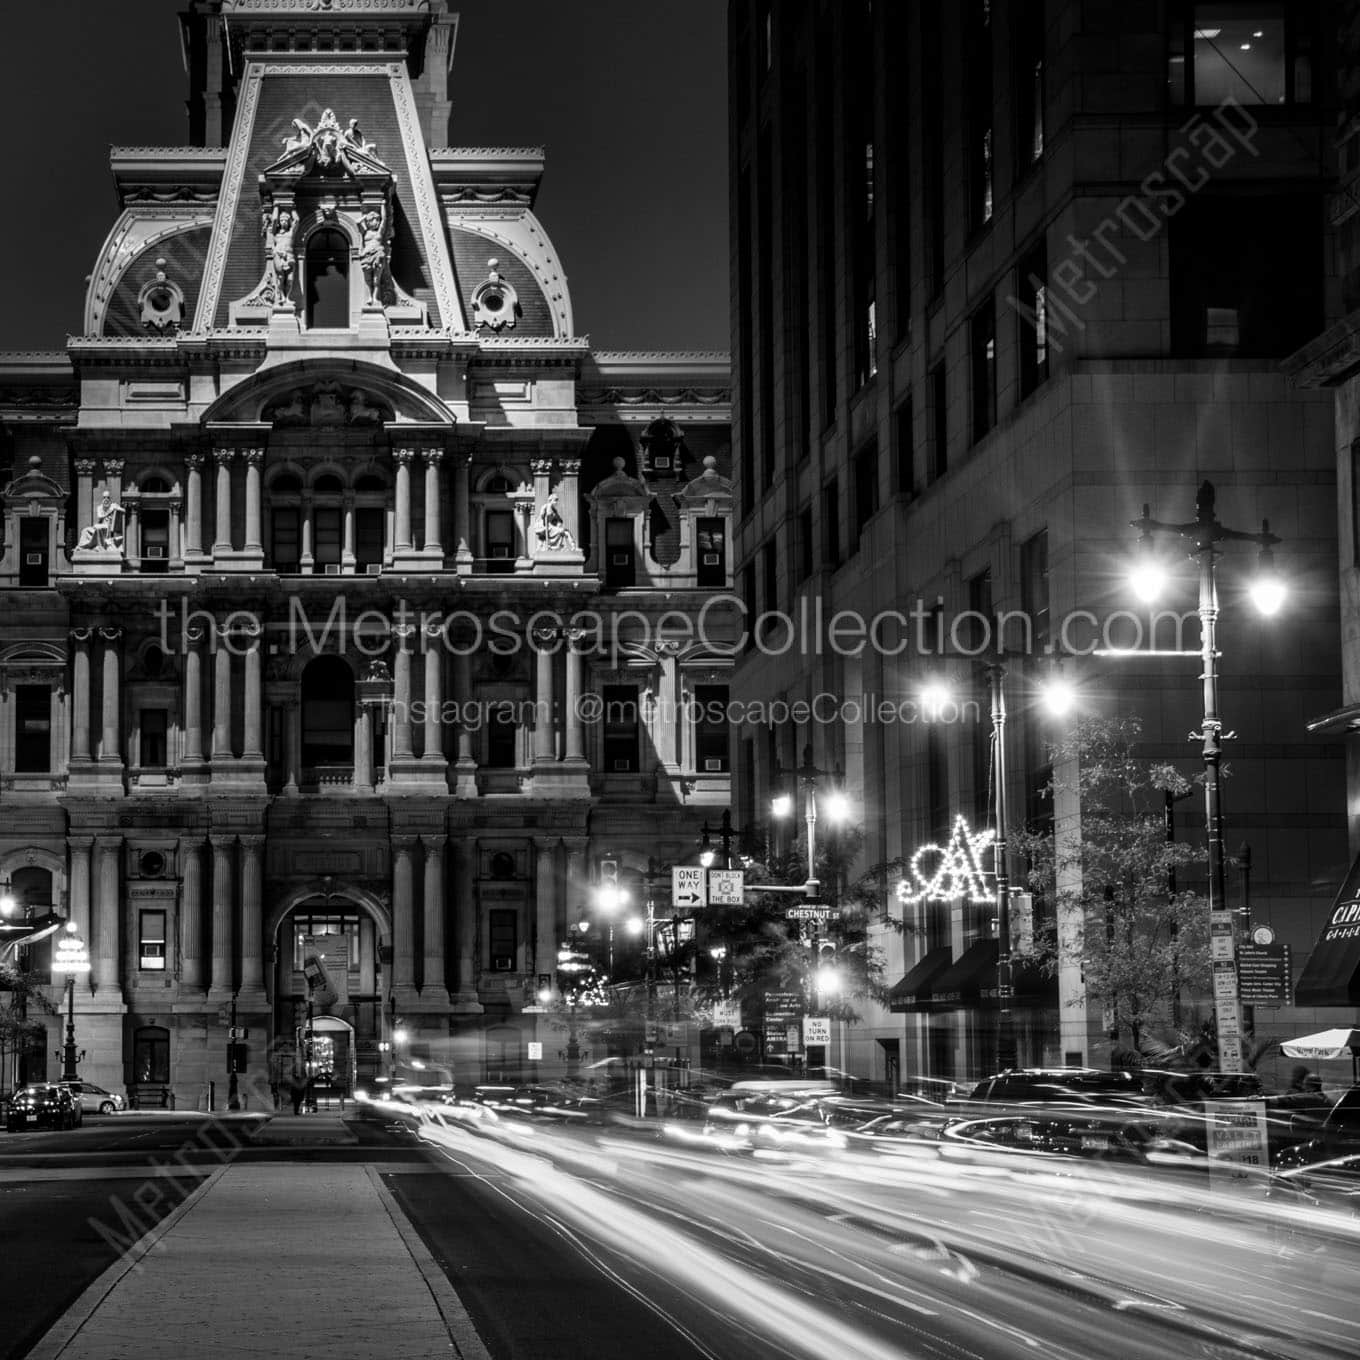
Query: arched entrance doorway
[[329, 980]]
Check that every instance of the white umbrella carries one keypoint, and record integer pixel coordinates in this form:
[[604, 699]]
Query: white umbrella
[[1330, 1043]]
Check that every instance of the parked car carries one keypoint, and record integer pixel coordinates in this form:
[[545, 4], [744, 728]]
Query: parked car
[[43, 1106], [94, 1099]]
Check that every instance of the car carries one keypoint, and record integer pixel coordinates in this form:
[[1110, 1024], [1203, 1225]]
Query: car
[[94, 1099], [1059, 1086], [43, 1105]]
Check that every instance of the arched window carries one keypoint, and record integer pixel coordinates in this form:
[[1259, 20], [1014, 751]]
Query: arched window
[[328, 280], [328, 484], [327, 713]]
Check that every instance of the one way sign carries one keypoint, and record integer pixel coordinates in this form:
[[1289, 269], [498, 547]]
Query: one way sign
[[689, 887]]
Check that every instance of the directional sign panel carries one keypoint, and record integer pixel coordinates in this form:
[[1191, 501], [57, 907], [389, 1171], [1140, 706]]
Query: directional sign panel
[[689, 887], [726, 887]]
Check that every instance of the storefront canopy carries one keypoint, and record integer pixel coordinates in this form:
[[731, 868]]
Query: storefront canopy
[[1332, 975], [971, 979], [913, 992]]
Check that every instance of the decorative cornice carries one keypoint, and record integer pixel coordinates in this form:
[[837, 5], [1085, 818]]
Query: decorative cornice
[[559, 344], [679, 356], [170, 153], [487, 153]]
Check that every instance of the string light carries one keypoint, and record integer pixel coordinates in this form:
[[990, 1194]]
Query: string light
[[958, 870]]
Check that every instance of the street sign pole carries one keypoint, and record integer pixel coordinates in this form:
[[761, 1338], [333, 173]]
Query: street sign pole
[[233, 1092]]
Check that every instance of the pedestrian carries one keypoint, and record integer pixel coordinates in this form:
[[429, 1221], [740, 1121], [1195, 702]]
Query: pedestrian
[[1298, 1078], [297, 1091]]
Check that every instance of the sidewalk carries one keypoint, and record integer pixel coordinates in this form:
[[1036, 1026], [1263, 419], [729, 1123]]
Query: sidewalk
[[268, 1260]]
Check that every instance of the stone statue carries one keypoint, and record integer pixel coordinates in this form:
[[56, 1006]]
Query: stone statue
[[551, 529], [352, 139], [373, 253], [104, 534], [280, 229]]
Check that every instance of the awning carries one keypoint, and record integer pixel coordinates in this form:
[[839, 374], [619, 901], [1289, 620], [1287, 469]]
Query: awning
[[1332, 975], [1330, 1044], [913, 992], [970, 979]]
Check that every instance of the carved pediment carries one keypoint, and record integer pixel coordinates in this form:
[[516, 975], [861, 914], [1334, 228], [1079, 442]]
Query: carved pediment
[[619, 486], [327, 150], [327, 403]]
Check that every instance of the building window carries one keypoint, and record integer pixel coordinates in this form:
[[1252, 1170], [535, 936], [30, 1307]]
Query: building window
[[620, 729], [859, 162], [1031, 304], [32, 729], [1034, 588], [502, 933], [285, 538], [824, 124], [151, 930], [937, 784], [1027, 44], [34, 550], [932, 144], [765, 306], [502, 738], [748, 599], [328, 280], [327, 527], [807, 549], [897, 164], [831, 523], [905, 449], [155, 535], [1251, 53], [710, 729], [746, 392], [711, 544], [153, 725], [866, 486], [1229, 295], [327, 694], [620, 557], [982, 339], [939, 423], [368, 537], [977, 63]]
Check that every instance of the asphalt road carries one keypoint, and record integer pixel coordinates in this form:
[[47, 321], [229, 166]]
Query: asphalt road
[[611, 1245]]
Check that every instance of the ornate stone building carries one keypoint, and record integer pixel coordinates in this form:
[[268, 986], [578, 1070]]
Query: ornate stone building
[[347, 599]]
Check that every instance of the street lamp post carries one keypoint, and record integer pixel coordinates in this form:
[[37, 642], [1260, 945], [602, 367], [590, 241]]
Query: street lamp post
[[72, 958], [1204, 533], [1006, 1053]]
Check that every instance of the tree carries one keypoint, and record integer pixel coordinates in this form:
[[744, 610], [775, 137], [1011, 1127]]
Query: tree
[[19, 998], [1140, 938]]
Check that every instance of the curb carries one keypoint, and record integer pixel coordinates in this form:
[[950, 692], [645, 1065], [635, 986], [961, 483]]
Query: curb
[[461, 1330], [62, 1332]]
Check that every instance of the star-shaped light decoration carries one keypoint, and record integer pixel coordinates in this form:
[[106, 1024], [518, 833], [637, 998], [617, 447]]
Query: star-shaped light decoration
[[957, 871]]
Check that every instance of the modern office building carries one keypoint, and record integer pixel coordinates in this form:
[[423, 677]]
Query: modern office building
[[1005, 273], [318, 537]]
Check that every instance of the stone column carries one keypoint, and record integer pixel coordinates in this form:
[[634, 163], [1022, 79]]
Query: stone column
[[574, 884], [401, 693], [542, 470], [368, 973], [432, 545], [193, 697], [108, 909], [575, 663], [132, 529], [221, 738], [465, 925], [306, 561], [253, 458], [543, 704], [433, 988], [80, 694], [347, 543], [462, 510], [666, 733], [569, 497], [465, 783], [84, 491], [222, 540], [252, 914], [193, 505], [223, 846], [176, 533], [402, 530], [191, 915], [434, 695], [81, 847], [545, 905], [253, 741], [403, 920], [109, 748], [292, 747], [363, 748]]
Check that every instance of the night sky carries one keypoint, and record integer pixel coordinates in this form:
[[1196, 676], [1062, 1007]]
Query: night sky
[[629, 99]]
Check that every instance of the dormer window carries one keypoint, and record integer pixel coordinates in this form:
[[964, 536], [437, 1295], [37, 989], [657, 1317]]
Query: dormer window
[[327, 280]]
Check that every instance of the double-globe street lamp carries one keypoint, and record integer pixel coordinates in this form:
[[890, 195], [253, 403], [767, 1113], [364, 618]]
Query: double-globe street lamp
[[71, 957], [1202, 536]]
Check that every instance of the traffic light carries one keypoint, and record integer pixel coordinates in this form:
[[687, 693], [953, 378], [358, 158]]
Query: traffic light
[[824, 961], [825, 954], [609, 873]]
